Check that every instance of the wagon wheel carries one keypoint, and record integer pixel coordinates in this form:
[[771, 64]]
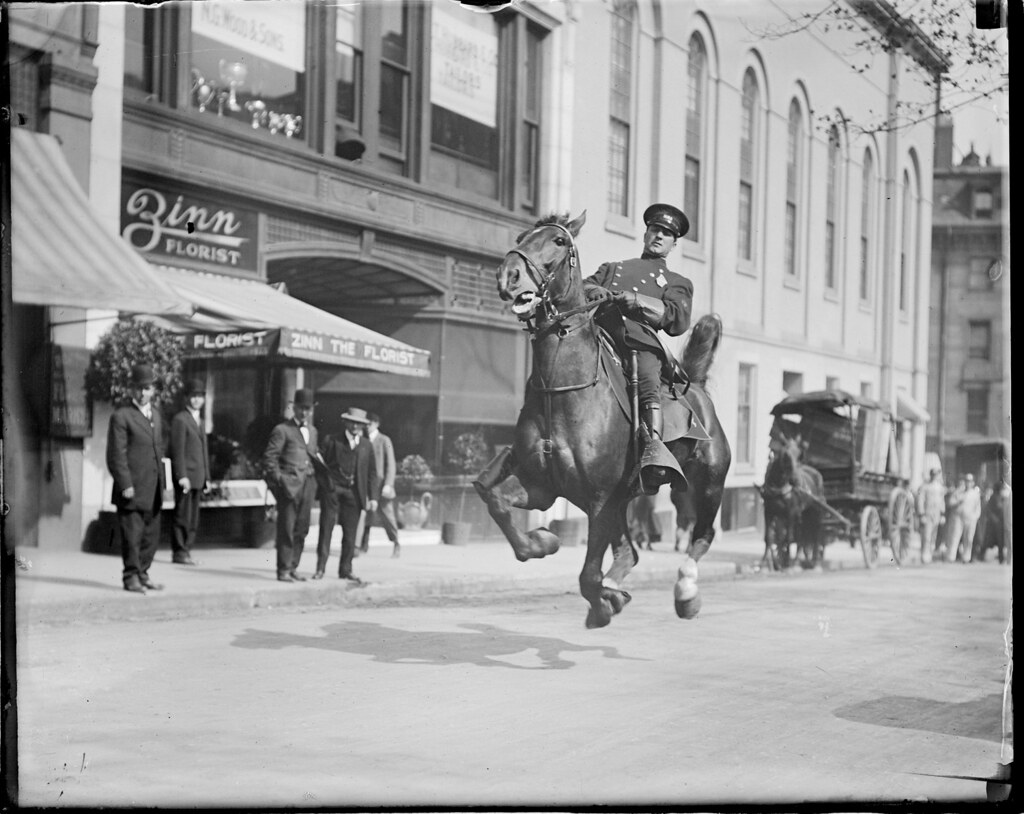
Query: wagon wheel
[[776, 544], [870, 535], [901, 524]]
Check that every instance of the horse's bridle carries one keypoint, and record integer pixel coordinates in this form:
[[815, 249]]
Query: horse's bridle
[[543, 281]]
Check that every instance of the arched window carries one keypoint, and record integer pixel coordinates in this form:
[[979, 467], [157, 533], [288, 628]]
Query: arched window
[[748, 165], [832, 208], [697, 72], [620, 106], [906, 244], [867, 191], [794, 166]]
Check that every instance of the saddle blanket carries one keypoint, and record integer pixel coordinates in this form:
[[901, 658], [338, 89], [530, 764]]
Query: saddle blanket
[[680, 419]]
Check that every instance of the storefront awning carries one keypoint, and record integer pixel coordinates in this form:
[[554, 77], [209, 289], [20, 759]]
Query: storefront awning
[[907, 409], [238, 318], [61, 253]]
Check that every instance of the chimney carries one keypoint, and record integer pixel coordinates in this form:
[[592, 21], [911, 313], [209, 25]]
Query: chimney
[[943, 157]]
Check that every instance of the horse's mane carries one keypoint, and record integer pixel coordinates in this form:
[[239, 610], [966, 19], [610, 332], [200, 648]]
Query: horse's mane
[[561, 219]]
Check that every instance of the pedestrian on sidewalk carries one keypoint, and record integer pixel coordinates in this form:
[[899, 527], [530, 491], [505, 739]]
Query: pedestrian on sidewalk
[[352, 470], [384, 457], [970, 513], [288, 470], [134, 458], [190, 470], [954, 520], [931, 508]]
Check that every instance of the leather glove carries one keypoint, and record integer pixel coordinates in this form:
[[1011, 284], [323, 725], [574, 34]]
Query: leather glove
[[596, 293]]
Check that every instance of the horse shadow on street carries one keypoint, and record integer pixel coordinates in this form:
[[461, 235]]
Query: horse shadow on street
[[980, 718], [481, 644]]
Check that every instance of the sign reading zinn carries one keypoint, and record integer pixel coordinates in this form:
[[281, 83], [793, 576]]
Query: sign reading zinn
[[183, 228], [311, 347]]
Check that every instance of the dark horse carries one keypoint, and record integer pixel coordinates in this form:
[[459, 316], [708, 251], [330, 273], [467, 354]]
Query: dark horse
[[792, 512], [573, 440]]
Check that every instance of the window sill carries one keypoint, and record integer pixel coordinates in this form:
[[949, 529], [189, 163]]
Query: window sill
[[692, 251], [747, 269], [792, 282], [620, 225]]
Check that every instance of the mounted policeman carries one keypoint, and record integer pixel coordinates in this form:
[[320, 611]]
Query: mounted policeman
[[645, 297]]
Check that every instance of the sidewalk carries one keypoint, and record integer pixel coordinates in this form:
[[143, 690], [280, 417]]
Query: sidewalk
[[57, 587]]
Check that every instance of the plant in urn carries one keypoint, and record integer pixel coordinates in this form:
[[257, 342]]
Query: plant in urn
[[413, 472]]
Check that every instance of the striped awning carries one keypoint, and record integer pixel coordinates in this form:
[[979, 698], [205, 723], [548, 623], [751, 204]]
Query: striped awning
[[238, 317], [62, 254]]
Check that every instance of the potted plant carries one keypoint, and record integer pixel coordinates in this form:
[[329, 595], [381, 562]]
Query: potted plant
[[130, 342], [413, 474], [467, 456]]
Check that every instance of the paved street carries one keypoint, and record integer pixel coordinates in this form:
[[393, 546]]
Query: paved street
[[843, 686]]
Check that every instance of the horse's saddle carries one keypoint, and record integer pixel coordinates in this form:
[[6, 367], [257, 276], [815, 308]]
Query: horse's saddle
[[680, 419]]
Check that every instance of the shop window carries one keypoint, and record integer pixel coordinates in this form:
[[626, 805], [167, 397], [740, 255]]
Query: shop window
[[979, 343], [248, 63], [977, 410], [744, 414]]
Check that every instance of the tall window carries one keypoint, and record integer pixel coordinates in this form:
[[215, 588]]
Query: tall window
[[794, 161], [620, 106], [348, 77], [982, 200], [831, 382], [748, 159], [977, 410], [697, 74], [831, 207], [792, 382], [866, 212], [529, 137], [979, 340], [745, 414], [906, 244], [395, 77]]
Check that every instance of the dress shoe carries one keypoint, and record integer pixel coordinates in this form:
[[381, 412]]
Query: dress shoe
[[185, 561], [134, 585], [318, 575], [297, 578], [148, 583], [285, 578], [397, 552], [354, 581]]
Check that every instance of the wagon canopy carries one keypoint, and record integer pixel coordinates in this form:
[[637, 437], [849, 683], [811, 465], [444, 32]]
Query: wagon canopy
[[823, 400]]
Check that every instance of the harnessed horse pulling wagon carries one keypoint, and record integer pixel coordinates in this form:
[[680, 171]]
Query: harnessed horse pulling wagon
[[850, 443]]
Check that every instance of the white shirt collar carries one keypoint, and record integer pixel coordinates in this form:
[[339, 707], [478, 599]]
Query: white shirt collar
[[353, 440]]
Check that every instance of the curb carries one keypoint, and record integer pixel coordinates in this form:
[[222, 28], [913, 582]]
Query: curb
[[164, 607]]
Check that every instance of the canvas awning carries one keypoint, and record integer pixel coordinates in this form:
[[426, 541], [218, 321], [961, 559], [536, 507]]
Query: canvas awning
[[907, 409], [238, 318], [61, 253]]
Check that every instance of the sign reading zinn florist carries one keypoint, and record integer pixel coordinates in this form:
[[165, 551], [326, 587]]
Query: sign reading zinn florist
[[184, 227]]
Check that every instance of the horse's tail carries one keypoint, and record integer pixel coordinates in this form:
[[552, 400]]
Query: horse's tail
[[699, 353]]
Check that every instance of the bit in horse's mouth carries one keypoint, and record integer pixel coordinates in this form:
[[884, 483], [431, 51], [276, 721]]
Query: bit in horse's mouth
[[524, 303]]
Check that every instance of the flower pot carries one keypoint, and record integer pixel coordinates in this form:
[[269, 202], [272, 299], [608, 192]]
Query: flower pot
[[412, 514], [455, 533]]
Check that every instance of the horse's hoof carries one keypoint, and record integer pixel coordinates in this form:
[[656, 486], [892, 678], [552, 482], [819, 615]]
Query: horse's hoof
[[617, 599], [597, 619], [688, 608], [544, 542]]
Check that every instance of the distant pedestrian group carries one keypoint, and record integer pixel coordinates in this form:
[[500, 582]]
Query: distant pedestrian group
[[959, 523]]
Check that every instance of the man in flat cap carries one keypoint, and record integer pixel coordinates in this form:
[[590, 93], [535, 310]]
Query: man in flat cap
[[648, 298], [190, 470], [288, 469], [134, 458], [350, 493]]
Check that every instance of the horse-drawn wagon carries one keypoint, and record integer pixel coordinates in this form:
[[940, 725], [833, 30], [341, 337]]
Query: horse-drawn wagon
[[846, 482]]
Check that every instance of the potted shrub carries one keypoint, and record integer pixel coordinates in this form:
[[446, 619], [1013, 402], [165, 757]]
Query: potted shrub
[[412, 475], [130, 342], [467, 456]]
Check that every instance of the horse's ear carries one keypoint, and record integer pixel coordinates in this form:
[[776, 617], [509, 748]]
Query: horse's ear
[[574, 226]]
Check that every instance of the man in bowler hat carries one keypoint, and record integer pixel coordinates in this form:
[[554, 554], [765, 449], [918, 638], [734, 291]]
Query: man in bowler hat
[[190, 470], [134, 458], [647, 297], [354, 485], [288, 469]]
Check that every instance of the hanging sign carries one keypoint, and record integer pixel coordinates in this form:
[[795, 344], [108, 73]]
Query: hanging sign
[[464, 64], [274, 30]]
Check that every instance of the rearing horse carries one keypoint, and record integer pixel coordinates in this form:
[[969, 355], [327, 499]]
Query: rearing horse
[[572, 439]]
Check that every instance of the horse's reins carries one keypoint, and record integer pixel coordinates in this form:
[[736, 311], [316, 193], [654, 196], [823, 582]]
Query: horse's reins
[[558, 318]]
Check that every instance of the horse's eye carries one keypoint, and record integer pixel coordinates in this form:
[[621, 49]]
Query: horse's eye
[[560, 241]]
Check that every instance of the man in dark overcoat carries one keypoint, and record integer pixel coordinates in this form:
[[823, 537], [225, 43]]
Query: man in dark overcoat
[[288, 470], [648, 297], [354, 485], [190, 470], [134, 458]]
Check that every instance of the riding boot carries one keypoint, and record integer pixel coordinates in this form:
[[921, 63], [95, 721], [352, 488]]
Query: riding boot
[[657, 464]]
